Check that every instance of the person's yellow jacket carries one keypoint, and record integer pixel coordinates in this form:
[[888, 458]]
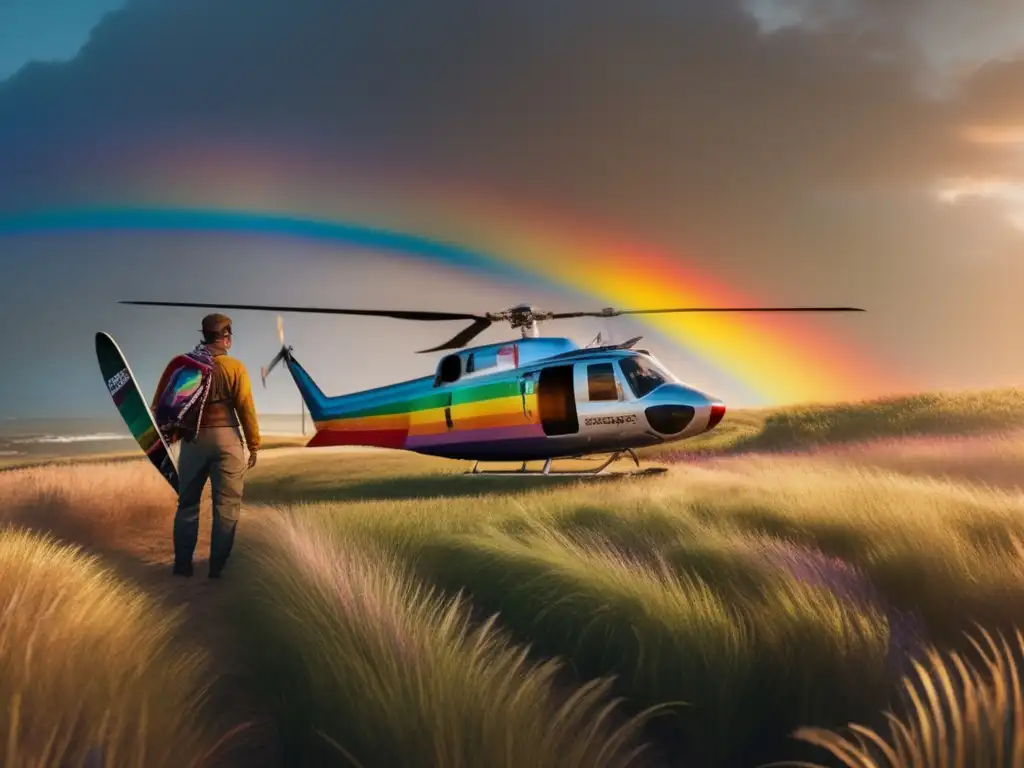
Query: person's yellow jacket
[[230, 394]]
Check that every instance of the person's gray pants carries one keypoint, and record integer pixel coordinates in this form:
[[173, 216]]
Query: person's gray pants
[[218, 454]]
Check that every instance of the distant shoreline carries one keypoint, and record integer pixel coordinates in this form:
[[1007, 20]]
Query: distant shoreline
[[32, 441], [134, 453]]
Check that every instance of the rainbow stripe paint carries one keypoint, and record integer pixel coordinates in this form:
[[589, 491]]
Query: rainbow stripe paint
[[488, 416], [134, 411], [264, 191], [139, 422], [483, 413]]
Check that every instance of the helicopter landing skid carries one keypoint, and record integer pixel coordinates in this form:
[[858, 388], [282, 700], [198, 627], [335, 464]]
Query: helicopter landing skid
[[548, 472]]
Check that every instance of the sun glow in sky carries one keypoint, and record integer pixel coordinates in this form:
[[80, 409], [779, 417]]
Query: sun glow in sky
[[1011, 136]]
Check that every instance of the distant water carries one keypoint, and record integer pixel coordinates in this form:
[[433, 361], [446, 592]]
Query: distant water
[[42, 438]]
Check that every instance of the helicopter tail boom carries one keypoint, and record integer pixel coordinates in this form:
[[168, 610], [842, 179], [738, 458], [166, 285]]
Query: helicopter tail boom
[[312, 395], [322, 409]]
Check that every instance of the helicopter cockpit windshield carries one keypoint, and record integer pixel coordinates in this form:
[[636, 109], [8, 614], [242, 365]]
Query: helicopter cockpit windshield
[[643, 375]]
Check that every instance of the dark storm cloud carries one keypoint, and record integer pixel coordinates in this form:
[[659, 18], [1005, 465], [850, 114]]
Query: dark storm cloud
[[46, 30], [652, 110], [944, 41], [800, 160], [573, 92]]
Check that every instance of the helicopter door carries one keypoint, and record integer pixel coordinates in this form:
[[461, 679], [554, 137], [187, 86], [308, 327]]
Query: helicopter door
[[556, 400], [602, 406]]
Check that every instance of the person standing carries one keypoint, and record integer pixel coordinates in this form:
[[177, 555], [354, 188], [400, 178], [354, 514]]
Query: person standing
[[216, 453]]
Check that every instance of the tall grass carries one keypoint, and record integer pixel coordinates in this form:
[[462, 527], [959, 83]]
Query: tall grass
[[928, 413], [801, 427], [753, 596], [947, 552], [756, 599], [742, 659], [959, 714], [985, 460], [100, 504], [370, 668], [86, 666]]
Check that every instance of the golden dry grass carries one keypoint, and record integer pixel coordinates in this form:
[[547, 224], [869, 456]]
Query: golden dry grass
[[102, 501], [123, 511], [960, 713], [821, 573], [368, 662], [801, 427], [760, 595], [86, 666]]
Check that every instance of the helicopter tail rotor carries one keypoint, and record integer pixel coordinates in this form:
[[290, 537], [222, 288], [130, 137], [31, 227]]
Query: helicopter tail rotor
[[265, 370]]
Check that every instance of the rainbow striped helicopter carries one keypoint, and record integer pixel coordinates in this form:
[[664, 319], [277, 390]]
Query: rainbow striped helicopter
[[528, 399]]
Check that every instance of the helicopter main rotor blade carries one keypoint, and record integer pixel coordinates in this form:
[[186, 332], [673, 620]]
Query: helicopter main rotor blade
[[616, 312], [482, 322], [400, 314], [463, 337]]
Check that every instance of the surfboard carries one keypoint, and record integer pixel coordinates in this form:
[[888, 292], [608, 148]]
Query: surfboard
[[134, 408]]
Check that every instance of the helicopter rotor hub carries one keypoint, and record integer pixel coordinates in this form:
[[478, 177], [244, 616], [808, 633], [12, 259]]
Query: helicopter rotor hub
[[522, 316]]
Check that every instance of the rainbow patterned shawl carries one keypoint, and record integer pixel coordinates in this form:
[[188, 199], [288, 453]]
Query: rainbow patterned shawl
[[180, 406]]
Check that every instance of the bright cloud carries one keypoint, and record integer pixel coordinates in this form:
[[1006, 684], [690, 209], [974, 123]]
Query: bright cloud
[[1006, 193]]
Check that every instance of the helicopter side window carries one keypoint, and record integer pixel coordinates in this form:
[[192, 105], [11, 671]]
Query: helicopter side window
[[449, 370], [643, 378], [601, 382], [481, 360]]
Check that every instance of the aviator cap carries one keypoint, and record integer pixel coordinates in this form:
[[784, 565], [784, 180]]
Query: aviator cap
[[214, 325]]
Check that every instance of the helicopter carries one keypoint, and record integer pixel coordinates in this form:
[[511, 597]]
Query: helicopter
[[535, 398]]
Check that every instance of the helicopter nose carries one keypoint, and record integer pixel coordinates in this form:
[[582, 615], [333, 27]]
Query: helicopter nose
[[715, 415], [682, 411]]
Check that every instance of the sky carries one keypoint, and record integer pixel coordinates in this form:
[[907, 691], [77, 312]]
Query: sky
[[46, 30], [779, 152]]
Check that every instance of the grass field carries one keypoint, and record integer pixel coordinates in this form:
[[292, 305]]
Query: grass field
[[791, 574]]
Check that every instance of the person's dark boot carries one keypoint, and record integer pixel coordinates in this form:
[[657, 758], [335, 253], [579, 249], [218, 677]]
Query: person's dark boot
[[182, 568], [215, 569]]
